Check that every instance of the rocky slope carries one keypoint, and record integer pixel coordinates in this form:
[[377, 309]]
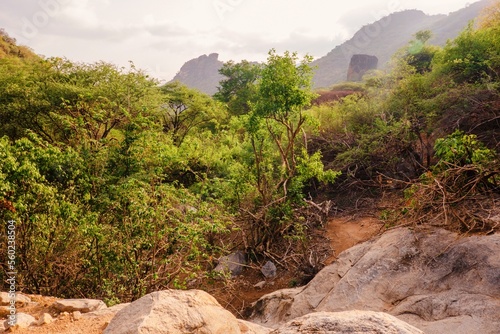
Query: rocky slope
[[9, 47], [387, 35], [201, 73], [435, 280], [404, 281]]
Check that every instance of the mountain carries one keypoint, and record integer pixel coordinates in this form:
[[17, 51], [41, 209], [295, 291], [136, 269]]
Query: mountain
[[381, 39], [387, 35], [201, 73]]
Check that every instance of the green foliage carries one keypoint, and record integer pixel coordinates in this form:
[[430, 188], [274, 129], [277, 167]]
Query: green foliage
[[72, 103], [239, 89], [418, 54], [462, 149], [185, 109], [472, 57], [285, 88], [44, 185], [117, 232], [280, 165], [283, 92]]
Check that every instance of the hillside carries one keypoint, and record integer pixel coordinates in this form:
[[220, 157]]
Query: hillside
[[8, 47], [385, 36]]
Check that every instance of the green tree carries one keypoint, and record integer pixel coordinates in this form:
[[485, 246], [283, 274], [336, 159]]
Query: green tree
[[281, 164], [239, 89], [283, 93], [72, 103], [472, 57], [185, 109], [99, 98], [419, 55]]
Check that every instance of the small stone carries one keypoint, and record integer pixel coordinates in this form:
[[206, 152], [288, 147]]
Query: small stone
[[63, 315], [269, 270], [77, 315], [45, 319], [260, 285], [21, 300], [232, 263]]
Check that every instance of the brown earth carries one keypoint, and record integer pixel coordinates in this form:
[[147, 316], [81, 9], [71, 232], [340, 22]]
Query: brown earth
[[347, 231]]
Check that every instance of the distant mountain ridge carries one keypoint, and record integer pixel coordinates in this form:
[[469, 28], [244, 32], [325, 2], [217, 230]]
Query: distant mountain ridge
[[387, 35], [381, 39]]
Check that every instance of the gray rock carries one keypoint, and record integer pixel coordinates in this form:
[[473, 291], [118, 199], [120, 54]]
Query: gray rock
[[106, 311], [174, 312], [19, 297], [82, 305], [359, 65], [231, 264], [347, 322], [23, 320], [44, 319], [269, 270], [434, 280]]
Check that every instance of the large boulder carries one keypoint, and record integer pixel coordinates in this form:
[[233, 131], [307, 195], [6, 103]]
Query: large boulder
[[346, 323], [179, 312], [435, 280], [22, 320]]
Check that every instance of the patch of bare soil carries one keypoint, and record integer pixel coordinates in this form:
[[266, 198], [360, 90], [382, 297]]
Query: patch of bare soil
[[69, 326], [349, 230]]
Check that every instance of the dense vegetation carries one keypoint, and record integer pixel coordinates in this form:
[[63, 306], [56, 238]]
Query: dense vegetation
[[120, 186]]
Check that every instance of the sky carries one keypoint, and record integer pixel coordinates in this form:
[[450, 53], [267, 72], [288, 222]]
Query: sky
[[159, 36]]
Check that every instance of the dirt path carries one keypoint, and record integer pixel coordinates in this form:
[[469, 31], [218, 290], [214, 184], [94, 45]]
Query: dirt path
[[347, 231]]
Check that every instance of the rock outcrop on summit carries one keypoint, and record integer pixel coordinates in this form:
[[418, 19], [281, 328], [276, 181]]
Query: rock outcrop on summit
[[359, 65]]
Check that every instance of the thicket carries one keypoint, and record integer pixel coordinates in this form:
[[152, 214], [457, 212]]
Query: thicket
[[119, 186], [430, 127]]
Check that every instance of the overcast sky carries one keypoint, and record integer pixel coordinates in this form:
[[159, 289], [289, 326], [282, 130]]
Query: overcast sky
[[159, 36]]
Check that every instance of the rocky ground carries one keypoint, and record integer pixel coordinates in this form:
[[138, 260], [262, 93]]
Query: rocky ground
[[404, 280], [342, 231]]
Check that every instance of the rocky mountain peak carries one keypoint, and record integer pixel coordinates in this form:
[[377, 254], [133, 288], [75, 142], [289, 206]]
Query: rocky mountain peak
[[201, 73]]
